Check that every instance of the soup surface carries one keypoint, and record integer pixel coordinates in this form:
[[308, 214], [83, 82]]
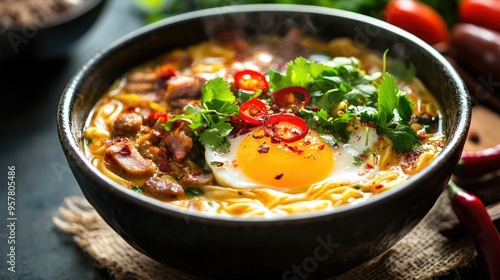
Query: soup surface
[[265, 126]]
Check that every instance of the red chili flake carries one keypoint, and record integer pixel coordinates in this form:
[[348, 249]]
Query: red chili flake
[[125, 151], [411, 157], [321, 147], [369, 166], [368, 124], [379, 186], [234, 163], [133, 109], [440, 144], [278, 177], [295, 130], [257, 136], [307, 142], [275, 140], [165, 72], [422, 135], [405, 165], [263, 149], [294, 149], [315, 108]]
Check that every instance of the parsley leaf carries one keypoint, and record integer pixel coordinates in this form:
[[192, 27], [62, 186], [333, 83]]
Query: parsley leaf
[[340, 125], [215, 136], [216, 88], [394, 114]]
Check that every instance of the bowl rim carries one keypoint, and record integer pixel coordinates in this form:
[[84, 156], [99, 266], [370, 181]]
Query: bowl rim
[[73, 151], [60, 19]]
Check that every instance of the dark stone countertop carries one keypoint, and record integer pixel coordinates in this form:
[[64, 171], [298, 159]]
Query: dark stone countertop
[[29, 96]]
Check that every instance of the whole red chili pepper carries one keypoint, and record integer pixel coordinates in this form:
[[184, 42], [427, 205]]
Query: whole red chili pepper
[[472, 214], [477, 163]]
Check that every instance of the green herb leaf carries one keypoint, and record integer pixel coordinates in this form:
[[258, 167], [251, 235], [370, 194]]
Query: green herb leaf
[[394, 113], [215, 136], [340, 127], [222, 107], [217, 88], [137, 189], [193, 192], [359, 159]]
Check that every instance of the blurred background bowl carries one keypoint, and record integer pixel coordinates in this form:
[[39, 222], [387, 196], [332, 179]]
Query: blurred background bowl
[[50, 37], [321, 244]]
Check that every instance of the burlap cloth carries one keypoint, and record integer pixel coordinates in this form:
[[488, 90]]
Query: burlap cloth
[[422, 254]]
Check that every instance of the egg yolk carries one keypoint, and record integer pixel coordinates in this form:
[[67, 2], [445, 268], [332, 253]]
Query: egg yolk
[[285, 165]]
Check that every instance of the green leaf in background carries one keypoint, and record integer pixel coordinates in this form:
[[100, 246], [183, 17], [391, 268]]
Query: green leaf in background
[[157, 9]]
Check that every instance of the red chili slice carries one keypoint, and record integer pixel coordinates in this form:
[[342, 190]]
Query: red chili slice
[[251, 80], [253, 111], [285, 127], [289, 96]]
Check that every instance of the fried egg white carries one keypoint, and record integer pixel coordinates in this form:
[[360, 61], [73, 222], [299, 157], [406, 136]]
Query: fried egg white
[[254, 161]]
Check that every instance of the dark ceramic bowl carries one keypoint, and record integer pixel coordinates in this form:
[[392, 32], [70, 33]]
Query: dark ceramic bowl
[[50, 39], [315, 245]]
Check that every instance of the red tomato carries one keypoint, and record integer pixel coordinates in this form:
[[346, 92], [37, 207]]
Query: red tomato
[[251, 80], [253, 111], [295, 95], [285, 128], [417, 18], [484, 13]]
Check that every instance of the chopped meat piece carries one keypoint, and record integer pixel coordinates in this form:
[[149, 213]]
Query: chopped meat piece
[[179, 103], [128, 123], [123, 159], [184, 87], [144, 77], [139, 87], [141, 82], [179, 142], [197, 180], [163, 187]]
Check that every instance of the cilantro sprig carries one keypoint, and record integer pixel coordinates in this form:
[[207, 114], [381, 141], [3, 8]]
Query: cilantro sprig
[[394, 113]]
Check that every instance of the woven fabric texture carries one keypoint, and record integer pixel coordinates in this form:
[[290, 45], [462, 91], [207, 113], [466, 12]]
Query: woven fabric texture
[[422, 254]]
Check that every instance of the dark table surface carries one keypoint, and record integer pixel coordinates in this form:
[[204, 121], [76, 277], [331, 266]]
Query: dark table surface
[[30, 93], [29, 96]]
